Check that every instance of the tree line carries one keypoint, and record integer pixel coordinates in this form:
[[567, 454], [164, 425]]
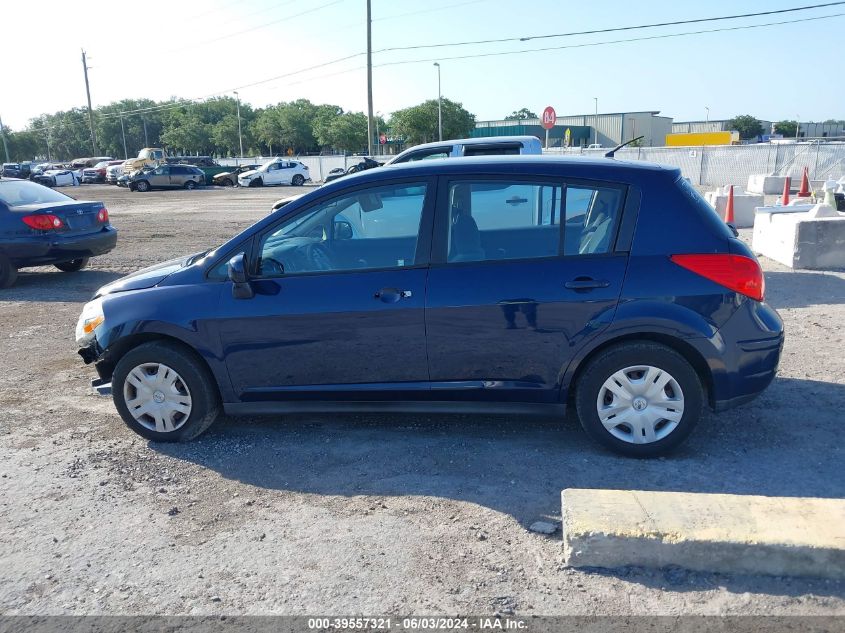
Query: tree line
[[210, 128]]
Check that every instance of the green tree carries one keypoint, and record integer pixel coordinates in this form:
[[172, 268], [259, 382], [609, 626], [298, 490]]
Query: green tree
[[418, 124], [348, 132], [748, 126], [321, 123], [186, 132], [787, 128], [522, 113]]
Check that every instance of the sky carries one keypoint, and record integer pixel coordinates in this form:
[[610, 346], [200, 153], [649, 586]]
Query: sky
[[164, 48]]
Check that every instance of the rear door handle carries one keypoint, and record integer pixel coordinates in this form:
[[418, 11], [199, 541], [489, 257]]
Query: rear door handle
[[586, 283], [392, 295]]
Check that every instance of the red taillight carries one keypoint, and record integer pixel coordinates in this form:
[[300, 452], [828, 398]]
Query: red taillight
[[736, 272], [43, 222], [103, 215]]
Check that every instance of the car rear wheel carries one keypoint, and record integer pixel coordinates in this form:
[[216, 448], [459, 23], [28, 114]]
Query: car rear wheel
[[298, 180], [142, 186], [8, 273], [190, 185], [73, 265], [164, 392], [639, 399]]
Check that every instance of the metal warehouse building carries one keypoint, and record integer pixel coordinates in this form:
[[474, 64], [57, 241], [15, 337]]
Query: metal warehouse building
[[806, 129], [608, 129]]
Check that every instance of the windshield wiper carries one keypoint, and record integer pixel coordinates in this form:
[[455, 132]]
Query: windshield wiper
[[195, 258]]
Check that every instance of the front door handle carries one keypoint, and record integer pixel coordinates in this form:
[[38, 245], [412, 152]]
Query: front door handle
[[392, 295], [586, 283]]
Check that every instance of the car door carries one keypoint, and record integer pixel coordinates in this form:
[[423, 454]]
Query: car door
[[512, 292], [338, 304], [160, 176], [273, 174]]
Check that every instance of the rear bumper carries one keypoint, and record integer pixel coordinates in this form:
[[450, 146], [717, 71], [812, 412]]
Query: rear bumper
[[744, 355], [50, 249]]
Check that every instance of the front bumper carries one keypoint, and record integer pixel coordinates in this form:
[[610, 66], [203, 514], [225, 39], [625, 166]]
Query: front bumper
[[49, 249]]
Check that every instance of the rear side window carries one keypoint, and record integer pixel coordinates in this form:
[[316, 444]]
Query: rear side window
[[712, 218], [592, 215], [495, 220]]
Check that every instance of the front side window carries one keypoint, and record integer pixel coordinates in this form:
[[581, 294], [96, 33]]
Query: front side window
[[368, 229], [495, 220]]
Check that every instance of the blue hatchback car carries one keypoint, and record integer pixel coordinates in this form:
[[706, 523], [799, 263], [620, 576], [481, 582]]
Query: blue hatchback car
[[492, 284]]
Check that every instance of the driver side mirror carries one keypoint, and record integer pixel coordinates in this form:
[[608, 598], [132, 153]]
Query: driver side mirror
[[342, 230], [237, 270]]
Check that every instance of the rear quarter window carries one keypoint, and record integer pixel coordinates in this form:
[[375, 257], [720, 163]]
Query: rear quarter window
[[699, 204]]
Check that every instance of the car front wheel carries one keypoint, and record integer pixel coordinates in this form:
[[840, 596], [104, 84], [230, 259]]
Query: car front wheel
[[164, 392], [639, 399], [142, 186], [190, 185], [73, 265], [258, 182]]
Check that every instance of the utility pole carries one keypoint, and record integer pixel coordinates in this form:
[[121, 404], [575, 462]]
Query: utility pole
[[240, 138], [146, 140], [369, 79], [596, 121], [439, 106], [3, 134], [90, 113], [123, 132]]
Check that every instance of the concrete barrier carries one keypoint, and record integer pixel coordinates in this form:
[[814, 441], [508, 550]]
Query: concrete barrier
[[768, 185], [781, 536], [800, 237], [744, 205]]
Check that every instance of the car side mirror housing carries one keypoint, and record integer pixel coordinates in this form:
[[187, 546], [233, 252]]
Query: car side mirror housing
[[342, 230], [237, 267]]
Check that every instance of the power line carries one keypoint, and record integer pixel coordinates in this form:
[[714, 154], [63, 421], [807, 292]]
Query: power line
[[622, 41], [188, 102], [421, 11], [610, 30], [260, 26]]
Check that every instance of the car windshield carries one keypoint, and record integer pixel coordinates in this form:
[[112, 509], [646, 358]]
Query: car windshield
[[19, 193], [105, 163]]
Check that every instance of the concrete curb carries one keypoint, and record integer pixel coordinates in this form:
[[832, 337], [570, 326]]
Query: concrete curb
[[780, 536]]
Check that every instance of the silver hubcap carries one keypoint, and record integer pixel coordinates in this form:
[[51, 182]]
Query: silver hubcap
[[640, 404], [157, 397]]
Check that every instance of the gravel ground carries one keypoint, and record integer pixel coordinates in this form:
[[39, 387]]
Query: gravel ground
[[354, 514]]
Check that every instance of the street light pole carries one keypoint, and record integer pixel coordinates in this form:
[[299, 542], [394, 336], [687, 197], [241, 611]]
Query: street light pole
[[369, 78], [378, 134], [439, 106], [596, 121], [707, 115], [240, 138], [797, 126]]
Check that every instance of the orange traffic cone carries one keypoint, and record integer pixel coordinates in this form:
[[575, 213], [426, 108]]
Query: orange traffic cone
[[804, 191], [785, 199], [729, 208]]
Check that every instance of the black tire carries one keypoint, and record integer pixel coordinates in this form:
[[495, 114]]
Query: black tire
[[630, 354], [8, 273], [142, 185], [205, 398], [190, 185], [227, 182], [257, 182], [73, 265], [298, 180]]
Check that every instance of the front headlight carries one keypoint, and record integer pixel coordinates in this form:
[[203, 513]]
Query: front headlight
[[91, 318]]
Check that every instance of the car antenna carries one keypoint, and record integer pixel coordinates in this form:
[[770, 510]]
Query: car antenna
[[613, 151]]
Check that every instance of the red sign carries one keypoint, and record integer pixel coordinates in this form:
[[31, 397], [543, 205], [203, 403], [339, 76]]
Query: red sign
[[549, 118], [382, 138]]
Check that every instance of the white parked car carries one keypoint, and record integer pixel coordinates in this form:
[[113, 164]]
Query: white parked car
[[279, 171], [58, 178], [482, 146]]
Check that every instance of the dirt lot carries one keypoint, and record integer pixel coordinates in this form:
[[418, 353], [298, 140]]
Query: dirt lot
[[361, 514]]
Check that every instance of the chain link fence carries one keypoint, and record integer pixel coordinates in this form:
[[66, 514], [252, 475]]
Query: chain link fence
[[717, 165]]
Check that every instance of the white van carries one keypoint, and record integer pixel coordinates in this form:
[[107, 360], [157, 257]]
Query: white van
[[492, 145]]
